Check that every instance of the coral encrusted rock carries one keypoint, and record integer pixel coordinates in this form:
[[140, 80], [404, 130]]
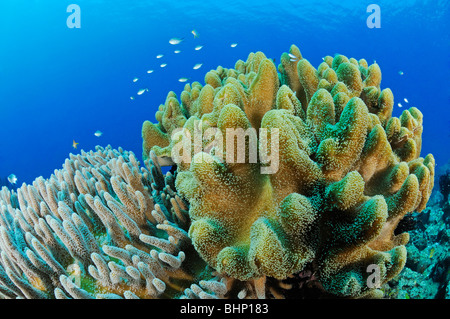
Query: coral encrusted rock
[[339, 172]]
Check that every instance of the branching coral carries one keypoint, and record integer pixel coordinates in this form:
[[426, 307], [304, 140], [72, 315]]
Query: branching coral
[[348, 171]]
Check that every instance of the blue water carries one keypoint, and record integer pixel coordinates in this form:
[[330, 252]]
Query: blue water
[[59, 84]]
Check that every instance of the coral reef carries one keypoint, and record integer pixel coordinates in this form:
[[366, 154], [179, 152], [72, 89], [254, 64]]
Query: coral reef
[[444, 190], [314, 219], [348, 172], [100, 227], [427, 269], [103, 227]]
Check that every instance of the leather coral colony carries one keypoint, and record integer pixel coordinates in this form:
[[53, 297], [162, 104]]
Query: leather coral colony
[[346, 173], [100, 227]]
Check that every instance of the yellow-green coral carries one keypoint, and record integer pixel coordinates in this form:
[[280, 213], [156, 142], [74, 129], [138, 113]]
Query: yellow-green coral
[[347, 170]]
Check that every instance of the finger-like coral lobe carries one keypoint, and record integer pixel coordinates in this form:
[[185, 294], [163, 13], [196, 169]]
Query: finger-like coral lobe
[[341, 174]]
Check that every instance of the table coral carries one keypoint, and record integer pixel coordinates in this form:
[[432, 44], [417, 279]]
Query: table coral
[[347, 171]]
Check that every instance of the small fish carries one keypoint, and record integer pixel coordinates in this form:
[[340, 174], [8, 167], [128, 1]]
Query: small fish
[[406, 100], [198, 47], [98, 133], [141, 91], [163, 65], [131, 97], [399, 105], [12, 179], [194, 32], [159, 56], [135, 79], [400, 72], [293, 56], [432, 252], [150, 71], [233, 45], [175, 40], [183, 79], [177, 51], [293, 60], [198, 66], [74, 144]]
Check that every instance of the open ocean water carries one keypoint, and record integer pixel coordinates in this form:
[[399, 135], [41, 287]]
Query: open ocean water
[[60, 84]]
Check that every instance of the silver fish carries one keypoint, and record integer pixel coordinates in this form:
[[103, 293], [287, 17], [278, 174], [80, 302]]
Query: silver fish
[[175, 40], [12, 179], [141, 91]]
